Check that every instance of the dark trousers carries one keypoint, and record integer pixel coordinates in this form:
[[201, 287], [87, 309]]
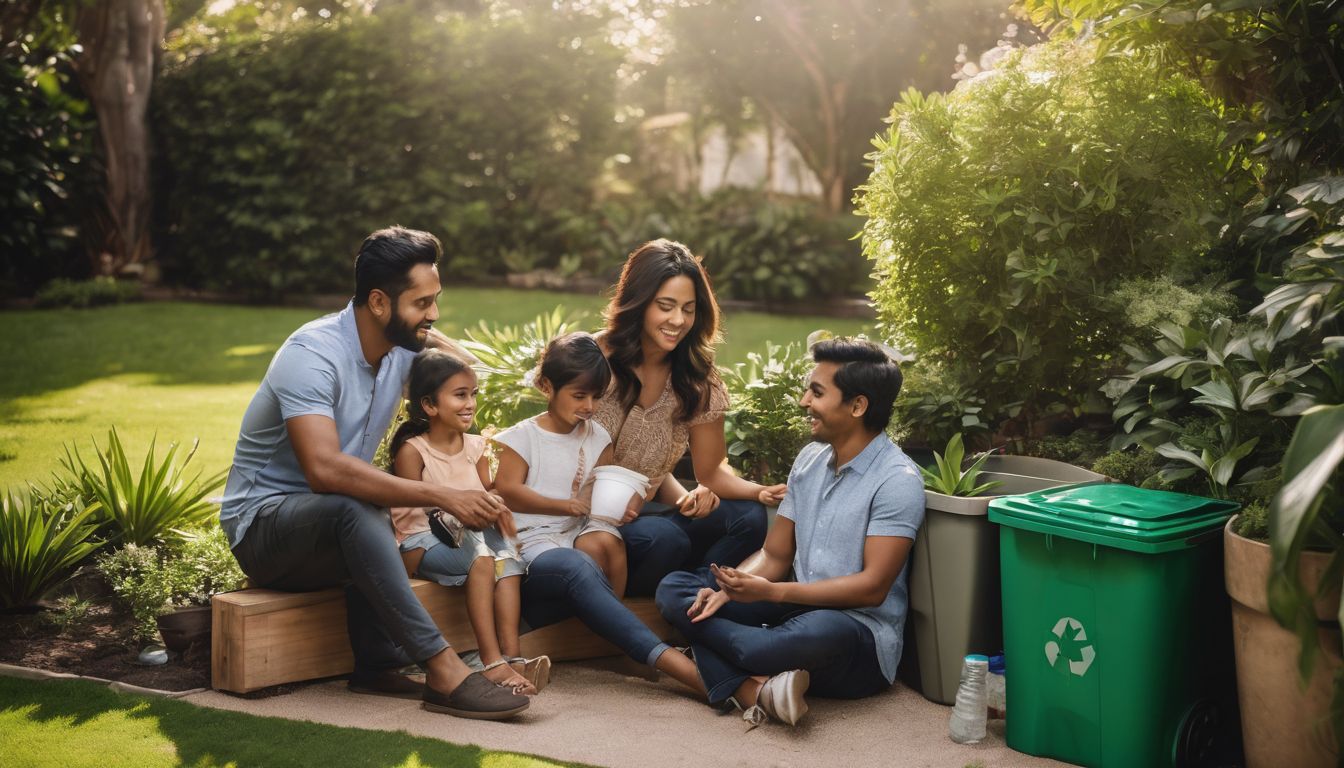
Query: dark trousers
[[313, 541], [765, 638], [658, 544]]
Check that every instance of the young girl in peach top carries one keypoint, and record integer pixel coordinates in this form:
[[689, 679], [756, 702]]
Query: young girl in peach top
[[433, 445]]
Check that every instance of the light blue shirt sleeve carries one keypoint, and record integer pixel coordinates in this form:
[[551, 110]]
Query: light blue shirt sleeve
[[304, 383], [786, 504], [898, 507]]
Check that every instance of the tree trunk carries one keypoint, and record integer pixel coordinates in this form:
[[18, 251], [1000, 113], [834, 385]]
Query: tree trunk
[[121, 40]]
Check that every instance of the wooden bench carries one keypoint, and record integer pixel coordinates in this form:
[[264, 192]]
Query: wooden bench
[[263, 637]]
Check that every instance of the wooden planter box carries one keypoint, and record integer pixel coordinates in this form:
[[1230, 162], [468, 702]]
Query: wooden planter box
[[264, 637]]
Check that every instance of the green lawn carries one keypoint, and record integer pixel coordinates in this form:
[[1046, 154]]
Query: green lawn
[[67, 724], [183, 371]]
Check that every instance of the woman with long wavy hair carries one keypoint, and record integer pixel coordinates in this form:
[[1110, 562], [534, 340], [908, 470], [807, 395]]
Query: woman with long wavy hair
[[662, 325]]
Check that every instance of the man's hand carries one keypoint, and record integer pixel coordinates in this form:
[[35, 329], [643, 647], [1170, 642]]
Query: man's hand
[[698, 503], [477, 510], [744, 587], [577, 507], [771, 496], [707, 603]]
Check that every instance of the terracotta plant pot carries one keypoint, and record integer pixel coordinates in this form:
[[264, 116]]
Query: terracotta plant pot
[[1282, 724], [185, 627]]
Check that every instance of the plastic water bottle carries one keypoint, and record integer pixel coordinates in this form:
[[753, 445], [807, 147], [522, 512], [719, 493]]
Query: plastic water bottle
[[996, 688], [967, 725]]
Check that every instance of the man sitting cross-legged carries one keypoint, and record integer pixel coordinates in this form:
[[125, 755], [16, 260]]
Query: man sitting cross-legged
[[845, 528], [304, 509]]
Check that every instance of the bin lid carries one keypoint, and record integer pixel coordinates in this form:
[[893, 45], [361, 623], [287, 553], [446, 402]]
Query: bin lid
[[1116, 515]]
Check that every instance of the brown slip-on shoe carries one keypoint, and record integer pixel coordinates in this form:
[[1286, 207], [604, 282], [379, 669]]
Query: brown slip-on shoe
[[781, 696], [387, 682], [477, 698]]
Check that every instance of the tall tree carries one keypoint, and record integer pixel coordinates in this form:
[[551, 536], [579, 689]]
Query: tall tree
[[122, 40], [828, 72]]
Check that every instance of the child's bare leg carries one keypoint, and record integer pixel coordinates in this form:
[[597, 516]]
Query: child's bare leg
[[412, 560], [481, 611], [508, 610]]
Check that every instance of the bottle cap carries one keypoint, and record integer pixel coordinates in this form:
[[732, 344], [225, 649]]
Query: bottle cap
[[977, 657]]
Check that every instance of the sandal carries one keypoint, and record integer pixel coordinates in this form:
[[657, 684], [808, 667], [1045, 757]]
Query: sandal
[[537, 671], [518, 683], [476, 698]]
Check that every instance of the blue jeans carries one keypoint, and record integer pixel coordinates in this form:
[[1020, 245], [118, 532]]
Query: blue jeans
[[565, 582], [764, 638], [311, 541], [658, 544]]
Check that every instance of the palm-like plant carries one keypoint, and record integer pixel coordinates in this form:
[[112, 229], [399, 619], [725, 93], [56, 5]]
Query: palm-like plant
[[951, 479], [41, 542], [160, 503]]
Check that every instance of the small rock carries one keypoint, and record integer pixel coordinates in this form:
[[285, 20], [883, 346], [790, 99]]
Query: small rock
[[153, 656]]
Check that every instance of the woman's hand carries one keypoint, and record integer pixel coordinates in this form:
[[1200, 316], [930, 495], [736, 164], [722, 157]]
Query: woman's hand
[[698, 503], [576, 507], [632, 509], [772, 495]]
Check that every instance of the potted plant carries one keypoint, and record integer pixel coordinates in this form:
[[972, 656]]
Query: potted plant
[[167, 588], [954, 565], [1286, 604]]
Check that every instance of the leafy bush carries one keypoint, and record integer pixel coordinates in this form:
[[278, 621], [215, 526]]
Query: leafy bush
[[80, 294], [1080, 448], [41, 543], [159, 504], [765, 427], [1253, 522], [281, 152], [47, 169], [936, 403], [1135, 466], [155, 579], [997, 214], [508, 360], [950, 479]]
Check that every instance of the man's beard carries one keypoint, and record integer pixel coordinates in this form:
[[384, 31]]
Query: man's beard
[[403, 334]]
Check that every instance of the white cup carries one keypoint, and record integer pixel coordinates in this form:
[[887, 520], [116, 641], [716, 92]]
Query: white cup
[[612, 488]]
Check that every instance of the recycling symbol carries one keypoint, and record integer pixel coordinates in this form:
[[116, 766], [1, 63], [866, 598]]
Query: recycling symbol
[[1069, 634]]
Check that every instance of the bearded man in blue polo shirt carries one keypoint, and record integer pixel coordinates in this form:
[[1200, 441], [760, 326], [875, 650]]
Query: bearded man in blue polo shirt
[[844, 530], [304, 508]]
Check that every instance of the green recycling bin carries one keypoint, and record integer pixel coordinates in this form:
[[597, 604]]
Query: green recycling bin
[[1116, 626]]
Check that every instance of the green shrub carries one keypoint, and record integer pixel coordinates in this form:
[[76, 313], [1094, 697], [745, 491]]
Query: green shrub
[[160, 503], [152, 580], [936, 403], [1253, 523], [279, 153], [48, 173], [41, 543], [1080, 448], [999, 213], [765, 426], [1135, 466], [81, 294]]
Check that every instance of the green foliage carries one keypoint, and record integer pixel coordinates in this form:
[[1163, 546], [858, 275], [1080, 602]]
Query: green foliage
[[1308, 513], [1253, 523], [47, 173], [41, 543], [508, 357], [281, 151], [81, 294], [755, 248], [950, 479], [159, 504], [1136, 466], [150, 580], [1080, 448], [997, 214], [937, 403], [765, 427]]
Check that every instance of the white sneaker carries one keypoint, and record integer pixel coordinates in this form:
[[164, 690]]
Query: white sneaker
[[781, 696]]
